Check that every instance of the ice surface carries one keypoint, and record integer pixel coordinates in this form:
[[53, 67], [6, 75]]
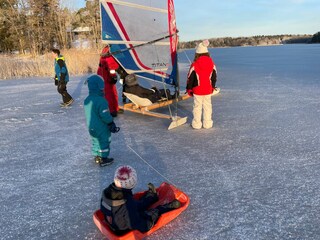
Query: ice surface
[[255, 175]]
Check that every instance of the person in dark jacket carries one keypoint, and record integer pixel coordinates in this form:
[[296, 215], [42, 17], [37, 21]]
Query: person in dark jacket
[[99, 120], [202, 78], [61, 78], [132, 86], [122, 212]]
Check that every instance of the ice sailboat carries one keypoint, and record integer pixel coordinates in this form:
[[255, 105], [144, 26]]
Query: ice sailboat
[[143, 38]]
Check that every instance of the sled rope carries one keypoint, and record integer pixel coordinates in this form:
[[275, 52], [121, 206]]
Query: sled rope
[[169, 181]]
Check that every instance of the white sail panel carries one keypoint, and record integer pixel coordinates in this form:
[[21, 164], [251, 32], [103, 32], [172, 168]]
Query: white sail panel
[[133, 25]]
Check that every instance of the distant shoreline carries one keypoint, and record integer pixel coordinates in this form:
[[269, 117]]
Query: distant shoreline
[[251, 41]]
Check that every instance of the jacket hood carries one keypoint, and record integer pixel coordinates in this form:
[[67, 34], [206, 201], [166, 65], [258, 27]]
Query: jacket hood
[[95, 84]]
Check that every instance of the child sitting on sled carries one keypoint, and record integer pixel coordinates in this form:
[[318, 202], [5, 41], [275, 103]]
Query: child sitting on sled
[[132, 86], [122, 212]]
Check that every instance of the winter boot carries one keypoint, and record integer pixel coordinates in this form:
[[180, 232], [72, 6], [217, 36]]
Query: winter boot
[[69, 102], [97, 159], [106, 161]]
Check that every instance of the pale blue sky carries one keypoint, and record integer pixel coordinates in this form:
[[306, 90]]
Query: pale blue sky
[[235, 18]]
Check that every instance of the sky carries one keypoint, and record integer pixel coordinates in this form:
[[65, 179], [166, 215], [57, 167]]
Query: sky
[[238, 18]]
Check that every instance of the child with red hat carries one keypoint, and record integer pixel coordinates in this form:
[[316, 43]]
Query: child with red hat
[[122, 212]]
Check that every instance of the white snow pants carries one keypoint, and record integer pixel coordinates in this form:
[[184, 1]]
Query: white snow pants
[[202, 102]]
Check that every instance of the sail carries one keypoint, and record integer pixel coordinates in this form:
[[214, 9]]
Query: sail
[[143, 37]]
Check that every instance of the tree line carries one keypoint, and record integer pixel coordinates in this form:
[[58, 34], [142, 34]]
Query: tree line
[[35, 26], [255, 41]]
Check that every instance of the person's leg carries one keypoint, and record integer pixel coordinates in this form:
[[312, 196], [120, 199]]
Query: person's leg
[[197, 111], [115, 97], [104, 145], [169, 206], [104, 151], [112, 98], [62, 89], [149, 198], [153, 216], [95, 147], [207, 112]]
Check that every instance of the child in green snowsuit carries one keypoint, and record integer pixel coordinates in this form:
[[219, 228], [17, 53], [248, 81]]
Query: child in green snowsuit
[[99, 120]]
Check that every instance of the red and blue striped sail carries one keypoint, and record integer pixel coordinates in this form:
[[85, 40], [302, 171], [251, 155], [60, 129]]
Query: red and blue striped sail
[[143, 37]]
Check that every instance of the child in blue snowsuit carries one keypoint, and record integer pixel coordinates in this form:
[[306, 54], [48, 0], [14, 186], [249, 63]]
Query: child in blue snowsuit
[[99, 120]]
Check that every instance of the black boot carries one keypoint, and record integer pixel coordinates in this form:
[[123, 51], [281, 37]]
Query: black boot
[[97, 159], [106, 161]]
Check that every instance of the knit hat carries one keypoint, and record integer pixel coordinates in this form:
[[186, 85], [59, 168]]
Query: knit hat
[[125, 177], [203, 47], [105, 50]]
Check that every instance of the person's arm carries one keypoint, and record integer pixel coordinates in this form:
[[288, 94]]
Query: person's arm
[[63, 70], [214, 77], [112, 67], [104, 113], [106, 117], [192, 81]]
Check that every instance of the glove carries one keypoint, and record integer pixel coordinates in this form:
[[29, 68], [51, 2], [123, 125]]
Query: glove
[[113, 128], [151, 188], [190, 92], [113, 80], [152, 192]]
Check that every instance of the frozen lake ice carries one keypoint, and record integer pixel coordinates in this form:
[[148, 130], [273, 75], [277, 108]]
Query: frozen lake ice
[[255, 175]]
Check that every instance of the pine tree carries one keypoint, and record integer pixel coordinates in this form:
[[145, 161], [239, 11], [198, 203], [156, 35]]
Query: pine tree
[[316, 38], [42, 25]]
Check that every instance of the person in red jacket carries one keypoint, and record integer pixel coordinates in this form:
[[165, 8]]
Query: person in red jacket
[[107, 70], [202, 78]]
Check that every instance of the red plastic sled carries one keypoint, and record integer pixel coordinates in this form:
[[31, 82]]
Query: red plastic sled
[[167, 193]]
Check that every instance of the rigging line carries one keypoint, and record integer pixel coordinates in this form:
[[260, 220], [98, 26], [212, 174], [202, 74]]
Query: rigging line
[[139, 45], [164, 85], [169, 181], [187, 56]]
